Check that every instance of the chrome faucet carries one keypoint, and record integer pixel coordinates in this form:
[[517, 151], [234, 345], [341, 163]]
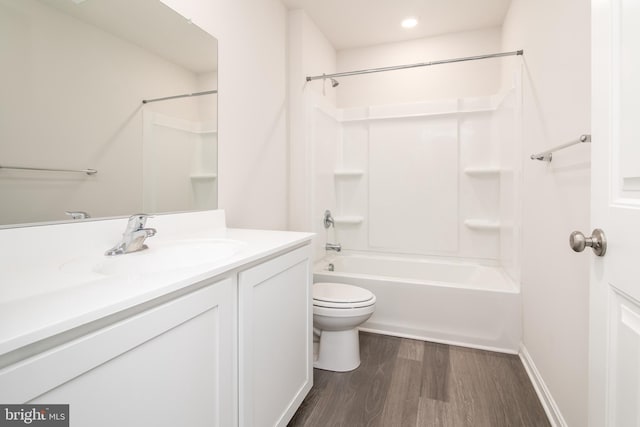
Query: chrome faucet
[[333, 247], [328, 220], [134, 236], [78, 214]]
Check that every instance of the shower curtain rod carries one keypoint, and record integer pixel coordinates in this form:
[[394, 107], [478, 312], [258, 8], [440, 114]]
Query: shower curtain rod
[[186, 95], [420, 64]]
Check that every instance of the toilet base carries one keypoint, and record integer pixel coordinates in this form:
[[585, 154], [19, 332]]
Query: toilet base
[[338, 351]]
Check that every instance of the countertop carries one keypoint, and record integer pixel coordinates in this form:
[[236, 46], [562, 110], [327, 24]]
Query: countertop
[[40, 299]]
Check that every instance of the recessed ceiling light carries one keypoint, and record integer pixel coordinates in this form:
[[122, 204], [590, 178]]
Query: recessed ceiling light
[[409, 22]]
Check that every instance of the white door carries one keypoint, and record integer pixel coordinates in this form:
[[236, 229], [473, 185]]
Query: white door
[[614, 366]]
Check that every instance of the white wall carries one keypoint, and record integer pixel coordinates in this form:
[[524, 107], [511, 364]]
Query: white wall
[[555, 37], [252, 105], [458, 80]]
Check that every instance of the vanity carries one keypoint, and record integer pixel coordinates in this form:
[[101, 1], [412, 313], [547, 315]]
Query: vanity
[[210, 326]]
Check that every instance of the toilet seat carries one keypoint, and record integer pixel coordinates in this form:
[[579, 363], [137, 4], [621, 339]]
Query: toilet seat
[[341, 296]]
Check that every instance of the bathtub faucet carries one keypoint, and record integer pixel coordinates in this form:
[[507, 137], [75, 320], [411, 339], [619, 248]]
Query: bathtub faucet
[[328, 219], [134, 236], [333, 247]]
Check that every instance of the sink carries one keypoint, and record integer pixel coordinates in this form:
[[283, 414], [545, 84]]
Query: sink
[[160, 257]]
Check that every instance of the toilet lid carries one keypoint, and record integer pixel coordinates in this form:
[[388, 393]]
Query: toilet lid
[[339, 294]]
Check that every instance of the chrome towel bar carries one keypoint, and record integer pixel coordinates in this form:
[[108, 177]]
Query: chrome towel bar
[[87, 171], [548, 155]]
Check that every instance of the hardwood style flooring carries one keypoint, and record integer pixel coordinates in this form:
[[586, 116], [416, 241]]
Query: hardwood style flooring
[[403, 382]]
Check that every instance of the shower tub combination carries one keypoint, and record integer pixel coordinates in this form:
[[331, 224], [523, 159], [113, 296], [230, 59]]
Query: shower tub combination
[[452, 302]]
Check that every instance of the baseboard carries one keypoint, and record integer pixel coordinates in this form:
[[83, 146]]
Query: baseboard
[[548, 403]]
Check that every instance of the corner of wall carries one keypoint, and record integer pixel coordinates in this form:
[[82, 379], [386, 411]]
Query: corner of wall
[[309, 53], [546, 399]]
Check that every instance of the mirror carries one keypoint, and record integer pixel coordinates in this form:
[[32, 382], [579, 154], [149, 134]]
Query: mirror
[[75, 73]]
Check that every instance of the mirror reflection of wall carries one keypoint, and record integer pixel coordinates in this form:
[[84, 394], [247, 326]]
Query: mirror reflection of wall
[[179, 159], [74, 77]]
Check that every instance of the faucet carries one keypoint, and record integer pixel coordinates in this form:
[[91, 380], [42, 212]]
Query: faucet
[[78, 214], [328, 219], [333, 247], [133, 236]]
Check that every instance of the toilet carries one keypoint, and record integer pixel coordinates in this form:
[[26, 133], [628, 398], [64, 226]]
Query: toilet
[[338, 310]]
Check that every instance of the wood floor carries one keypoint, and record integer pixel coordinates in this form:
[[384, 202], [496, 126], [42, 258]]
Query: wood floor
[[403, 382]]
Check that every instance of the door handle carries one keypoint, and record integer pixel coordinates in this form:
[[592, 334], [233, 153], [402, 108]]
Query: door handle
[[597, 242]]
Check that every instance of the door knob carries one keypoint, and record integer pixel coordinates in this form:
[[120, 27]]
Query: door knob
[[597, 242]]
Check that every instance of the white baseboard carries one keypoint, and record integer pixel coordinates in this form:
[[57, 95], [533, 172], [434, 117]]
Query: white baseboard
[[549, 405]]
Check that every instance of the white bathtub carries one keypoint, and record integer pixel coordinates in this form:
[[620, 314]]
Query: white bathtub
[[450, 302]]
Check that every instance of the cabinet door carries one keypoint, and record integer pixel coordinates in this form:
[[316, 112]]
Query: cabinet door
[[171, 365], [275, 324]]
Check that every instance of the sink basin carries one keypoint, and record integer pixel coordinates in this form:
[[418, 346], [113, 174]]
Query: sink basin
[[161, 256]]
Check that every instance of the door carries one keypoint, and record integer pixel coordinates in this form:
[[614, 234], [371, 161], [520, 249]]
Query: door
[[614, 365]]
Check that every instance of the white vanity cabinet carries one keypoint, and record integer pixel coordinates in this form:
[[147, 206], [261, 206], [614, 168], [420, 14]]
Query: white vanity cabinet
[[231, 350], [168, 364], [275, 346]]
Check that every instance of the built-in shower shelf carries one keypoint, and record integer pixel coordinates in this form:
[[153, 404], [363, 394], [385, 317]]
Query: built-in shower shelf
[[204, 177], [346, 173], [348, 219], [480, 172], [482, 224]]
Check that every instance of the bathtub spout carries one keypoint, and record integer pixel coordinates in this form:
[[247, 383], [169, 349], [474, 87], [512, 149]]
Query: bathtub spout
[[333, 247]]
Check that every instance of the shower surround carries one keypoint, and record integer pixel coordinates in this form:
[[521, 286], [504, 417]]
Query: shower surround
[[431, 183]]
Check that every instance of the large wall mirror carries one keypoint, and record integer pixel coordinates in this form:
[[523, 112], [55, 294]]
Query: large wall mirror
[[74, 77]]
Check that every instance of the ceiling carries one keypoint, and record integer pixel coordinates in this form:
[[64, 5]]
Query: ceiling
[[151, 25], [356, 23]]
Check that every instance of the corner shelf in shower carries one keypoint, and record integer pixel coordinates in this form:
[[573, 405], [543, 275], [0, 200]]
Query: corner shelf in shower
[[204, 177], [481, 172], [348, 173], [482, 224], [348, 219]]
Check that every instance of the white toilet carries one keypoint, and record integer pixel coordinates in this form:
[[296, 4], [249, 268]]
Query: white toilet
[[338, 310]]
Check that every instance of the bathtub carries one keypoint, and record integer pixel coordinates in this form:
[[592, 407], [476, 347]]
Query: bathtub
[[459, 303]]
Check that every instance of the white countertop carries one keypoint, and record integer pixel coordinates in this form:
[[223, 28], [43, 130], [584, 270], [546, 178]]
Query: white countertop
[[39, 299]]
